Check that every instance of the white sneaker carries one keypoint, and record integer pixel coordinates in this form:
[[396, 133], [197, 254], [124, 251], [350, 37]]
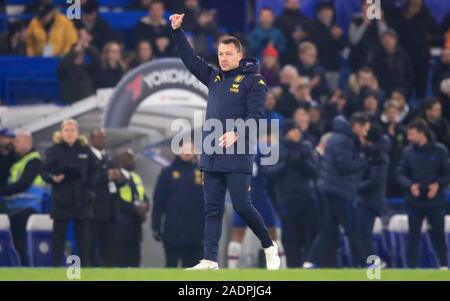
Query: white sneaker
[[272, 258], [308, 265], [205, 265], [443, 268]]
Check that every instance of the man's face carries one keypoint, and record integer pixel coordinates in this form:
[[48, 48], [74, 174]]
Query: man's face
[[229, 57], [99, 139], [371, 104], [270, 102], [415, 137], [21, 144], [294, 135], [435, 112], [187, 152], [308, 57], [301, 118], [365, 79], [292, 4], [389, 43], [266, 18], [127, 161], [157, 11], [145, 51], [326, 15], [361, 130]]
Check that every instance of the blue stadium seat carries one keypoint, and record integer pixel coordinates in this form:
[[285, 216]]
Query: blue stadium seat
[[8, 254], [39, 237]]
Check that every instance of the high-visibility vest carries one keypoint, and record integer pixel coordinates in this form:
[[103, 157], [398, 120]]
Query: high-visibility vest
[[126, 193], [32, 197]]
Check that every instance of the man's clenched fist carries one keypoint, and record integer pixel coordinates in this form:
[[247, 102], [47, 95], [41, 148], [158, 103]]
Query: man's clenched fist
[[176, 20]]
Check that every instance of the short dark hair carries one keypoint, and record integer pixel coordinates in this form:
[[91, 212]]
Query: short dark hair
[[430, 102], [232, 40], [155, 2], [365, 69], [359, 118], [419, 125]]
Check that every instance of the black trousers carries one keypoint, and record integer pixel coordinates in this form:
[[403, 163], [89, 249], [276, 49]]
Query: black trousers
[[366, 219], [128, 241], [82, 237], [188, 255], [215, 186], [436, 219], [338, 212], [18, 219], [297, 235], [103, 236]]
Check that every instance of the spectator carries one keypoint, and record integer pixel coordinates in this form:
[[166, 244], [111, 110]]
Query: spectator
[[288, 79], [295, 26], [112, 66], [406, 113], [335, 106], [7, 154], [16, 43], [155, 29], [363, 37], [359, 84], [142, 55], [201, 23], [24, 191], [50, 33], [445, 96], [133, 208], [270, 66], [316, 125], [177, 217], [266, 34], [441, 71], [302, 93], [105, 205], [75, 73], [391, 65], [424, 173], [70, 169], [371, 107], [292, 177], [418, 30], [270, 111], [309, 66], [330, 41], [302, 120], [438, 124], [90, 20], [396, 132]]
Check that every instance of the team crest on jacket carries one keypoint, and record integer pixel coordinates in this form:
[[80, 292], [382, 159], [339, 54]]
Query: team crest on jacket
[[239, 78], [176, 174], [218, 78]]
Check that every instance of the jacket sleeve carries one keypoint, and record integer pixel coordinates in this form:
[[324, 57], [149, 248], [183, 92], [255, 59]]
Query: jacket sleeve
[[374, 180], [309, 163], [159, 200], [344, 161], [403, 171], [196, 65], [49, 165], [31, 171], [256, 99], [444, 178]]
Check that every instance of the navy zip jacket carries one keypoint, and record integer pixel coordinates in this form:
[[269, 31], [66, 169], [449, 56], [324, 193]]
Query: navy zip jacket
[[424, 165], [235, 94], [342, 162]]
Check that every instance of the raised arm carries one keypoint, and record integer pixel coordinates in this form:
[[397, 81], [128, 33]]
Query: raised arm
[[196, 65]]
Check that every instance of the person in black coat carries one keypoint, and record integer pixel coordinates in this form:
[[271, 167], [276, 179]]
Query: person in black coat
[[224, 165], [424, 173], [7, 154], [178, 201], [372, 187], [418, 31], [70, 169], [76, 76], [292, 178], [112, 66], [340, 168], [392, 65], [105, 202], [438, 123]]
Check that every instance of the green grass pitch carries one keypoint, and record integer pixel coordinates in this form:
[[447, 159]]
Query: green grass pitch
[[147, 274]]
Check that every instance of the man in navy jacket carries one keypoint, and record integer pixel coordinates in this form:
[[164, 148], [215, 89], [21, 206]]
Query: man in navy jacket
[[236, 91], [424, 173], [340, 170]]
